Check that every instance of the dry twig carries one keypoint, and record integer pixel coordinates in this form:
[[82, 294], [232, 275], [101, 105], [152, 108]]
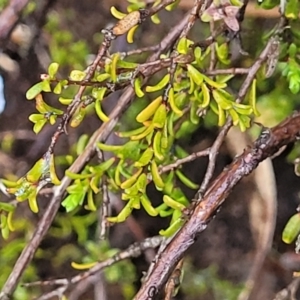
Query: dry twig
[[100, 135], [269, 142], [134, 250], [9, 18], [289, 293]]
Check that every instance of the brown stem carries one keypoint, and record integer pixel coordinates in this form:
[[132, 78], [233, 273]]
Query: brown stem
[[214, 151], [290, 291], [159, 7], [9, 18], [184, 160], [198, 4], [104, 211], [100, 135], [134, 250], [174, 281], [241, 94], [141, 50], [230, 71], [269, 142]]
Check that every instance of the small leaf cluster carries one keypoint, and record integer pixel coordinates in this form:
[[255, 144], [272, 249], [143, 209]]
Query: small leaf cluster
[[183, 95], [136, 168], [291, 69], [6, 215], [199, 92], [47, 113], [290, 8], [85, 185], [148, 149], [178, 100], [28, 186]]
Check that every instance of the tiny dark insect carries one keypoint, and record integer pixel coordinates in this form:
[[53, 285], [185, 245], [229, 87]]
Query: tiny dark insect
[[125, 24]]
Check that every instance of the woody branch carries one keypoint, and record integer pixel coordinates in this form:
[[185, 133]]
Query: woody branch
[[269, 142]]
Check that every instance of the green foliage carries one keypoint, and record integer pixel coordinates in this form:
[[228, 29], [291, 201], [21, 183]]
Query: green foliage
[[6, 215], [46, 114], [269, 4], [292, 9], [85, 185], [9, 253], [175, 103], [28, 186], [207, 282], [291, 71], [292, 229], [123, 273], [3, 3], [183, 95]]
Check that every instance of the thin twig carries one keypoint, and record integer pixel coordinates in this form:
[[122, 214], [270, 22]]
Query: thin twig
[[214, 151], [257, 64], [160, 6], [90, 72], [174, 281], [134, 250], [265, 146], [289, 293], [241, 95], [100, 135], [262, 212], [252, 10], [144, 68], [104, 210], [181, 161], [213, 54], [9, 18], [165, 242], [140, 50], [97, 281], [230, 71], [198, 7]]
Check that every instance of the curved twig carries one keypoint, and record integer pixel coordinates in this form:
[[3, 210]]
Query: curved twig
[[100, 135], [269, 142], [134, 250], [262, 212], [9, 18]]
